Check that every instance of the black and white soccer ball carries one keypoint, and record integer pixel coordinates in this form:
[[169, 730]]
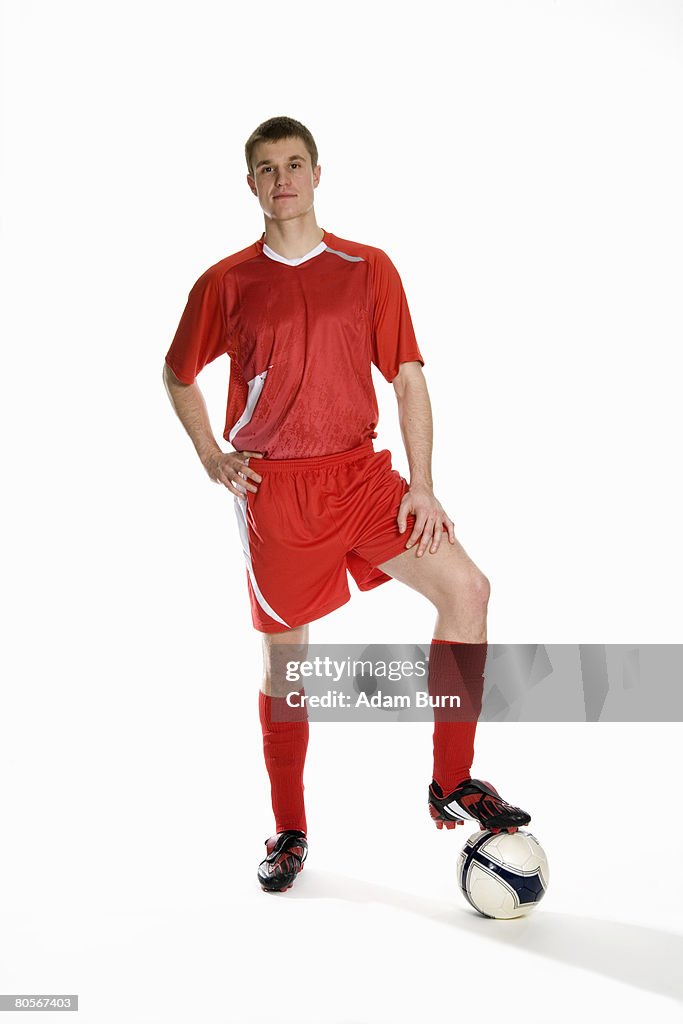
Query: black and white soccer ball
[[503, 875]]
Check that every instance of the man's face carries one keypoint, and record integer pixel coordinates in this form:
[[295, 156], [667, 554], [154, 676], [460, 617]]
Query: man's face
[[283, 178]]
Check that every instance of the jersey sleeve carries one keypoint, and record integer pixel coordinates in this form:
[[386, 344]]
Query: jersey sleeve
[[201, 335], [393, 335]]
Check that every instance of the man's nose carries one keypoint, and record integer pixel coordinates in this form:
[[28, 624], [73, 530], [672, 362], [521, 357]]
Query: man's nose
[[282, 177]]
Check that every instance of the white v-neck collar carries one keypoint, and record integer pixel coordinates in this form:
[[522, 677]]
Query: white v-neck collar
[[320, 247]]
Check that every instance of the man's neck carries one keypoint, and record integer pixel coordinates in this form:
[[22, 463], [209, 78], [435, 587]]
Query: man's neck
[[293, 238]]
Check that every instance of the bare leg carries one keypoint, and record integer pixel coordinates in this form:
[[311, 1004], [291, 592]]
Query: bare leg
[[278, 649], [452, 582], [459, 591]]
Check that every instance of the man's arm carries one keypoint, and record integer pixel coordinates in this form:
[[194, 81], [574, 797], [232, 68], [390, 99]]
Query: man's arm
[[415, 419], [230, 468]]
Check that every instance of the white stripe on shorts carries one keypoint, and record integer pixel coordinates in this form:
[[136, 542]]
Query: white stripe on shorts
[[241, 513]]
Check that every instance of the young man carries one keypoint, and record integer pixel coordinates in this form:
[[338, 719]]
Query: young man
[[302, 314]]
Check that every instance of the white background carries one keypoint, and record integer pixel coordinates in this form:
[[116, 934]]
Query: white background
[[521, 164]]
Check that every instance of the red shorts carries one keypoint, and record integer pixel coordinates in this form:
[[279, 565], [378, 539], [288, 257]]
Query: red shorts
[[311, 521]]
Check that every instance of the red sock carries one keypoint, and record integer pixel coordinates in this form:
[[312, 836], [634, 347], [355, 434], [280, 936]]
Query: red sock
[[285, 740], [455, 668]]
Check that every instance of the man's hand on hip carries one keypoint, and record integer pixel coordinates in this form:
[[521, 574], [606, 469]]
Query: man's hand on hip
[[232, 470]]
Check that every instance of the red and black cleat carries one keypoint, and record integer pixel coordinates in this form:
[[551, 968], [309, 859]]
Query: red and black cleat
[[478, 801], [286, 853]]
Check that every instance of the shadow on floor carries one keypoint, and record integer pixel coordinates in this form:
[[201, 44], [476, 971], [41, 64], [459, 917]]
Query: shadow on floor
[[629, 953]]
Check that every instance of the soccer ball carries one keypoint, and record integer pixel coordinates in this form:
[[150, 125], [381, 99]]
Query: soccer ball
[[503, 874]]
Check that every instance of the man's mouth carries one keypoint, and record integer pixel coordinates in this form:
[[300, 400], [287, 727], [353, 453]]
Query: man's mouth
[[286, 195]]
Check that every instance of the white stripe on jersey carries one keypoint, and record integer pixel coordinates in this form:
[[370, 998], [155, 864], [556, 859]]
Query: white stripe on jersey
[[255, 386]]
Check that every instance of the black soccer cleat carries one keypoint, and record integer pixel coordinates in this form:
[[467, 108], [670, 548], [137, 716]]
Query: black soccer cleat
[[477, 800], [286, 853]]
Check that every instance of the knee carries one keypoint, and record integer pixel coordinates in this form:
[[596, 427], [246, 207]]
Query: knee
[[478, 588], [472, 588], [278, 652], [483, 587], [276, 686]]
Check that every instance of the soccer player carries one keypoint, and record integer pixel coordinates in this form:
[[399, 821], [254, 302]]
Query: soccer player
[[302, 314]]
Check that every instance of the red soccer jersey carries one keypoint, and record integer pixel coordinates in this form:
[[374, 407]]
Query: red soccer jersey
[[301, 335]]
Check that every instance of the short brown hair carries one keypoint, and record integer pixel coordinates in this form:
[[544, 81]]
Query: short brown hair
[[276, 128]]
